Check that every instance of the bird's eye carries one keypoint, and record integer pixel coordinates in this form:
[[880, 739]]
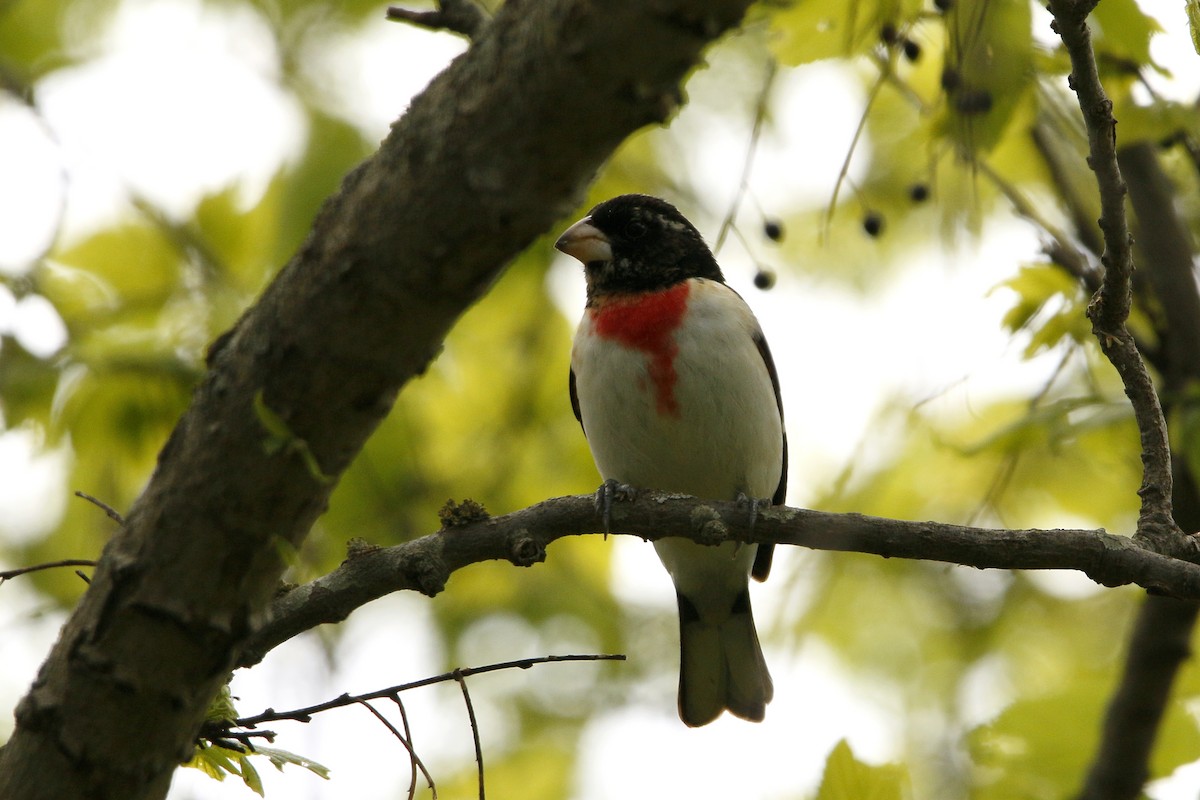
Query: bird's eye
[[635, 230]]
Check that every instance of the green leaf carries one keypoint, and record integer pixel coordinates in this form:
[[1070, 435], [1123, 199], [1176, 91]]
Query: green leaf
[[847, 778], [214, 761], [1038, 288], [991, 56], [1026, 753], [132, 266], [221, 708], [281, 757], [813, 30], [1193, 15], [250, 776], [1123, 31]]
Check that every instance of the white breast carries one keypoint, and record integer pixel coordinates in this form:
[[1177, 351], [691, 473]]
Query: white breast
[[727, 435]]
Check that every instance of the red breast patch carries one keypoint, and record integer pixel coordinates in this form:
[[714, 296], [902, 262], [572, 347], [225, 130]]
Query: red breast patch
[[647, 322]]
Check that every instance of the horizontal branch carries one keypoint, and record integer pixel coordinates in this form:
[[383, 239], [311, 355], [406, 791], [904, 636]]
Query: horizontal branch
[[425, 564]]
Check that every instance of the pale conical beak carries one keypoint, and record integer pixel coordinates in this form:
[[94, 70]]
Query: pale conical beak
[[585, 242]]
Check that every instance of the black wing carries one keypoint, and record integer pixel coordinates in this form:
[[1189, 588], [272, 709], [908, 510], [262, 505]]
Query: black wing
[[575, 399], [762, 561]]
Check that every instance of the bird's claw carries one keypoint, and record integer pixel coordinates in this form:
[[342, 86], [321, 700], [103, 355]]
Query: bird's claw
[[753, 504], [610, 491]]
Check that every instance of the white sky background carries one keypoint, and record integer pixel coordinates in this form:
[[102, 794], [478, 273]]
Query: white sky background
[[204, 83]]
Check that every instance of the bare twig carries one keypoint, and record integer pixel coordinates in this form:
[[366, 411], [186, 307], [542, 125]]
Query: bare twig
[[1060, 248], [463, 17], [844, 173], [1110, 306], [68, 562], [462, 684], [112, 513], [413, 761], [237, 734], [412, 754], [760, 115], [306, 714]]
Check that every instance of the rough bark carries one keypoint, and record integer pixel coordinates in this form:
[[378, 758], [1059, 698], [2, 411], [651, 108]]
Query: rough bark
[[425, 564], [1160, 644], [497, 149]]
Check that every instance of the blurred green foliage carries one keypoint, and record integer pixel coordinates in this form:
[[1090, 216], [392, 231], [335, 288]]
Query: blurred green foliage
[[955, 103]]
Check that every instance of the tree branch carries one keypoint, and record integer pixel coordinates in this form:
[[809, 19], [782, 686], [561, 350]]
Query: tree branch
[[425, 564], [477, 168], [1110, 306], [1160, 644]]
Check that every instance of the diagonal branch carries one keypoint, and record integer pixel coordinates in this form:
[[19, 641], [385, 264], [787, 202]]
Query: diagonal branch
[[475, 170], [425, 564], [1110, 306]]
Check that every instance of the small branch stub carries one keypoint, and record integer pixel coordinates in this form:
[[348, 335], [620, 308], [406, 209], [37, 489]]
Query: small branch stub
[[526, 551], [463, 17], [710, 528]]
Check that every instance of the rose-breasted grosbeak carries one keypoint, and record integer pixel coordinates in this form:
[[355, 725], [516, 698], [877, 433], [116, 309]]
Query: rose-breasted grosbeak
[[675, 388]]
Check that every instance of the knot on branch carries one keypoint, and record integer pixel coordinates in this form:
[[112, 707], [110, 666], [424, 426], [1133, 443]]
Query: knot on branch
[[524, 550], [427, 570], [709, 527]]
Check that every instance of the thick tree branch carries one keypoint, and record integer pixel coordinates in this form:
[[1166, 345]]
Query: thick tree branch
[[495, 151], [522, 537], [1110, 306]]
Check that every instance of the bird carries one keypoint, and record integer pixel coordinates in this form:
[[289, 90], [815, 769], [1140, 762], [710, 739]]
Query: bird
[[674, 386]]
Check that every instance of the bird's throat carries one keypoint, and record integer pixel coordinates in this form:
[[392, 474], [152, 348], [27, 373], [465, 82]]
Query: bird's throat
[[647, 321]]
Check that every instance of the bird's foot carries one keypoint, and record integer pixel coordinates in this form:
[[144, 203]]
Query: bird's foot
[[753, 505], [609, 492]]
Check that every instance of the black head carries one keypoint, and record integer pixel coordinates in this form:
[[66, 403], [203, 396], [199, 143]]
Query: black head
[[637, 243]]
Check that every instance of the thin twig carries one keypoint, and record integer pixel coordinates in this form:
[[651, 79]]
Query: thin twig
[[305, 714], [1012, 454], [413, 761], [1060, 248], [760, 114], [412, 754], [112, 513], [462, 683], [67, 562], [844, 173], [1110, 306]]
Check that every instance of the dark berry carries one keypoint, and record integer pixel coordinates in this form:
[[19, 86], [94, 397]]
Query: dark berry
[[912, 50], [888, 34], [773, 229], [974, 101], [951, 79], [873, 223], [918, 192], [764, 279]]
